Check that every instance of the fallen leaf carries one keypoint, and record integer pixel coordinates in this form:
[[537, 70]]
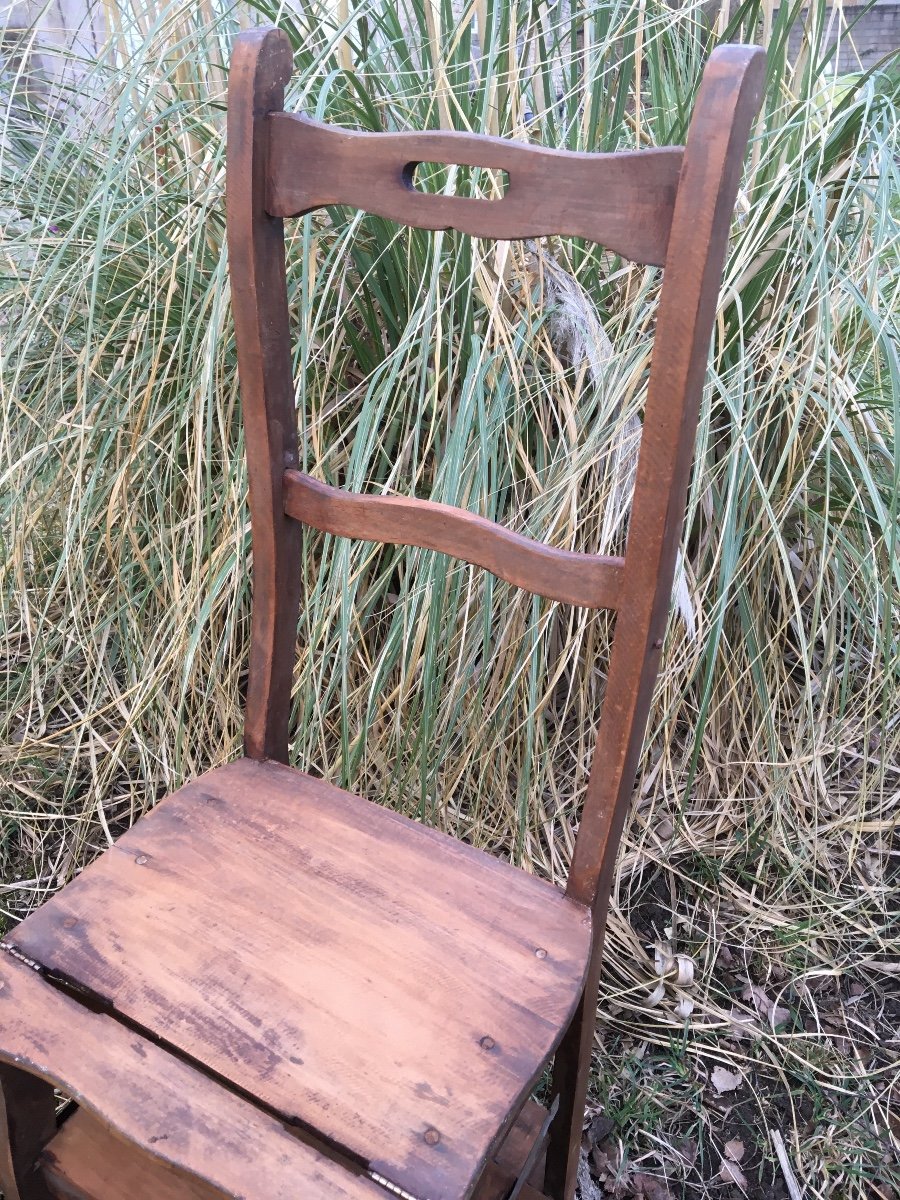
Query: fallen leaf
[[688, 1150], [587, 1189], [744, 1023], [684, 1008], [685, 975], [757, 997], [600, 1128], [650, 1188], [734, 1150], [601, 1162], [775, 1014], [724, 1080], [730, 1172], [656, 995], [780, 1016]]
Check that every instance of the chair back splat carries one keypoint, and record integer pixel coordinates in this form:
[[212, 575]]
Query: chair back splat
[[272, 988]]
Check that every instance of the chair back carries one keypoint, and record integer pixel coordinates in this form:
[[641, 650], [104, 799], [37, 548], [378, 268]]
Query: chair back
[[671, 207]]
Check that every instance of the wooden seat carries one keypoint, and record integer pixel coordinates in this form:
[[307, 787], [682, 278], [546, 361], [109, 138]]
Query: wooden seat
[[273, 989], [359, 974]]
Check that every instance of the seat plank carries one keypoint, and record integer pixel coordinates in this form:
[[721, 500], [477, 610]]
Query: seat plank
[[623, 201], [592, 580], [165, 1107], [85, 1162], [368, 978]]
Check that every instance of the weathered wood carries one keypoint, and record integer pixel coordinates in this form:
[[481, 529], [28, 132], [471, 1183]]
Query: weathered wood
[[261, 65], [27, 1123], [623, 201], [726, 106], [383, 984], [592, 580], [504, 1169], [169, 1110], [85, 1161]]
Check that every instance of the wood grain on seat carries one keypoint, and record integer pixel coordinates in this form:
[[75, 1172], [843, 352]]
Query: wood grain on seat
[[84, 1162], [370, 980], [169, 1112]]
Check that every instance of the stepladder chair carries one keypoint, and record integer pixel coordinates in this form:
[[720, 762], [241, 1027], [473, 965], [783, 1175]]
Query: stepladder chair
[[272, 988]]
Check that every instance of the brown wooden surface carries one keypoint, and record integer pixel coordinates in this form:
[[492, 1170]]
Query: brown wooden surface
[[592, 580], [28, 1121], [166, 1107], [379, 982], [85, 1161], [260, 66], [622, 200], [726, 106], [504, 1169]]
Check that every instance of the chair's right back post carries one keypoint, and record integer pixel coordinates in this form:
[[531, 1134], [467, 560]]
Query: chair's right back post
[[727, 103]]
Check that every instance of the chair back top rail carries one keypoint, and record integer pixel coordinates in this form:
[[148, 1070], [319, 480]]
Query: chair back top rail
[[591, 580], [624, 200]]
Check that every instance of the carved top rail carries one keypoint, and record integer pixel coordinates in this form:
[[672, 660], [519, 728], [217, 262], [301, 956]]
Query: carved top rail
[[591, 580], [624, 201]]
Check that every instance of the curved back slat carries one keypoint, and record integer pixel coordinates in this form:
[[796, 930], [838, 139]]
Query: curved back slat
[[623, 201], [591, 580]]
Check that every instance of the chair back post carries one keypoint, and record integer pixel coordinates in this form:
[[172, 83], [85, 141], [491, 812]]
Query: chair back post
[[261, 66], [727, 103]]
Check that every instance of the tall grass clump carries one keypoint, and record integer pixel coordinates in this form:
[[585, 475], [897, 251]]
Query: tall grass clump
[[510, 380]]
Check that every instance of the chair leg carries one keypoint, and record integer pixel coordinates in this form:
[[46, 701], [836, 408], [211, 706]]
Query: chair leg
[[571, 1071], [27, 1123]]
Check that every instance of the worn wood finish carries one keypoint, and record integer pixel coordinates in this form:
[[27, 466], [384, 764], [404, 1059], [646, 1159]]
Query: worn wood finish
[[87, 1162], [28, 1121], [261, 65], [504, 1169], [623, 200], [383, 984], [169, 1110], [726, 106], [591, 580]]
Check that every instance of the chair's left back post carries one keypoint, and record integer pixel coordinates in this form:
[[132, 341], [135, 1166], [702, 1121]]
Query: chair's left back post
[[261, 66]]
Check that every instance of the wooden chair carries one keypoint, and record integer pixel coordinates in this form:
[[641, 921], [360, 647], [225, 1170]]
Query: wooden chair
[[269, 987]]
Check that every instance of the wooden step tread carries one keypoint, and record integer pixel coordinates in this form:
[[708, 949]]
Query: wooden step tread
[[170, 1115], [86, 1162], [371, 980]]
